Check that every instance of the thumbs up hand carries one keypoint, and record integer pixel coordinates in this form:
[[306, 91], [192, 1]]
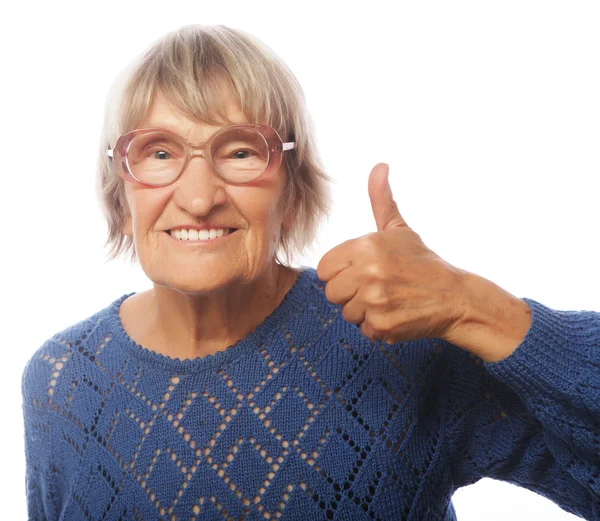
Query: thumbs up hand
[[388, 281], [397, 289]]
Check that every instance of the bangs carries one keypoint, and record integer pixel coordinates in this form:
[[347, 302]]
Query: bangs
[[201, 81]]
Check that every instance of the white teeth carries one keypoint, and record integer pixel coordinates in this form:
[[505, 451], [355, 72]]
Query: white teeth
[[202, 235]]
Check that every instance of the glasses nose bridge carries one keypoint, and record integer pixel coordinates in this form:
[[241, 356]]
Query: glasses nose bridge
[[200, 150]]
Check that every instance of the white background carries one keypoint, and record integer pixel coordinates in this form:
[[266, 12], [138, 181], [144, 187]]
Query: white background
[[488, 114]]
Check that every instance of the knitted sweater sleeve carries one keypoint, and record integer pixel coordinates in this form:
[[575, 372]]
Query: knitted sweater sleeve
[[533, 418], [42, 477]]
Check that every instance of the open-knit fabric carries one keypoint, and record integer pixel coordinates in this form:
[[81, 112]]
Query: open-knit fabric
[[307, 419]]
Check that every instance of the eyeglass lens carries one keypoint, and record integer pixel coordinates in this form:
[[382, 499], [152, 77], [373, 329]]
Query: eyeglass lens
[[238, 155]]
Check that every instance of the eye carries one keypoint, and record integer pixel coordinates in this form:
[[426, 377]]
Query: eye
[[160, 154], [235, 154]]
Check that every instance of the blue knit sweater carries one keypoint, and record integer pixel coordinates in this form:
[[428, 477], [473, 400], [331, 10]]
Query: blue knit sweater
[[307, 419]]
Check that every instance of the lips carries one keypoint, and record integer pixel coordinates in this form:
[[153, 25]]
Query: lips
[[175, 234]]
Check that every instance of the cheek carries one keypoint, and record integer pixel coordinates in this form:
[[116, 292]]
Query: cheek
[[264, 221], [147, 206], [261, 206]]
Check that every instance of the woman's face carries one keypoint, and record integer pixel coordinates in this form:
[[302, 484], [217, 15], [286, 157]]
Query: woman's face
[[200, 197]]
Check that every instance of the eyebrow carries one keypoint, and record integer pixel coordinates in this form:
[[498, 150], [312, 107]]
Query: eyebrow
[[175, 131], [167, 126]]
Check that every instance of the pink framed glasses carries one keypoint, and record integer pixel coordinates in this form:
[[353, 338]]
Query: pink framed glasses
[[238, 154]]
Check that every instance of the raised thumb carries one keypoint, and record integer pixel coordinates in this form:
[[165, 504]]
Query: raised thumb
[[385, 209]]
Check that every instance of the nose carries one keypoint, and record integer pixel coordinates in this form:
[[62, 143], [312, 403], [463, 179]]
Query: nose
[[199, 188]]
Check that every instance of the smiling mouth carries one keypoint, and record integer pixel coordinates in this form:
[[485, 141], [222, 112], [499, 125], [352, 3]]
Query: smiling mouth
[[175, 234]]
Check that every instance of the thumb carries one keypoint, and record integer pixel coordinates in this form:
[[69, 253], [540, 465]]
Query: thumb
[[385, 210]]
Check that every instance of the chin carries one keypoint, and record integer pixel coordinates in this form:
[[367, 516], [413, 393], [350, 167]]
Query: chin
[[201, 281]]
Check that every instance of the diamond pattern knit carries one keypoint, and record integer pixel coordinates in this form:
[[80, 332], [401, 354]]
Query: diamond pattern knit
[[307, 419]]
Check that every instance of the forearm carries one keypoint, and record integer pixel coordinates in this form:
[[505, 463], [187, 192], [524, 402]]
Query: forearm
[[493, 321]]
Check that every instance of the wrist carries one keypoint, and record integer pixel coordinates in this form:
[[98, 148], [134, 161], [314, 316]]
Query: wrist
[[493, 322]]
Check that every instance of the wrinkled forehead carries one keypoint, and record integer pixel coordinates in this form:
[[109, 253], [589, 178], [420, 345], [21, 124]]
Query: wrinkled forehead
[[192, 124]]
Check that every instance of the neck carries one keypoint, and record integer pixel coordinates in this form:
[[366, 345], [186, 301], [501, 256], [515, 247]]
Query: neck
[[190, 325]]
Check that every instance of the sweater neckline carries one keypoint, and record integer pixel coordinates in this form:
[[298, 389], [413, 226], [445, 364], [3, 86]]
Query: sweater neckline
[[294, 298]]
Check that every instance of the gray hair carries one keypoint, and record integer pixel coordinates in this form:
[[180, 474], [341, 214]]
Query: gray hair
[[189, 67]]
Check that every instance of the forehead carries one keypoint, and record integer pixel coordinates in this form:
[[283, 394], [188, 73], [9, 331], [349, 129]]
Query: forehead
[[163, 114]]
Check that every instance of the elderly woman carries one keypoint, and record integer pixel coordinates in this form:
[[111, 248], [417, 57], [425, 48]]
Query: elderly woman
[[238, 387]]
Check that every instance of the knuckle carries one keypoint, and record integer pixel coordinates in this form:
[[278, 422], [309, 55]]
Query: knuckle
[[375, 271], [366, 243], [376, 295]]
